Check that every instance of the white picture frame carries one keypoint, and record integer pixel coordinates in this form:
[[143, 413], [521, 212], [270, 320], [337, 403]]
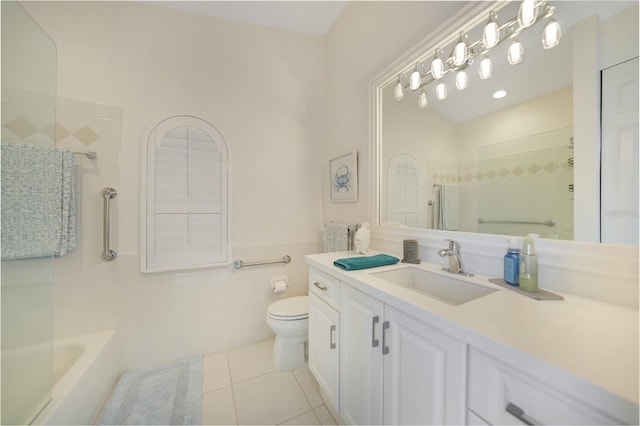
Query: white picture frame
[[343, 178]]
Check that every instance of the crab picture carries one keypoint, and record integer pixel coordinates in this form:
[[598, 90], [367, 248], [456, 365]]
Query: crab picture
[[342, 179]]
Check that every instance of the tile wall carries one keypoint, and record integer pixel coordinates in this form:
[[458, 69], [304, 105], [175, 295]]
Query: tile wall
[[158, 317]]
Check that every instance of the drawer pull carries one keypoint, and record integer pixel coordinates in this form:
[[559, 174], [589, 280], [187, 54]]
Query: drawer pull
[[374, 341], [518, 413], [332, 343], [385, 348], [317, 284]]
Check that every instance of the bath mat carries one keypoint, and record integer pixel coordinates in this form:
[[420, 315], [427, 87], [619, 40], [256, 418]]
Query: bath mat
[[169, 394]]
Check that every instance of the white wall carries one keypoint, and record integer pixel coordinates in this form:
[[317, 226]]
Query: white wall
[[366, 37], [264, 90]]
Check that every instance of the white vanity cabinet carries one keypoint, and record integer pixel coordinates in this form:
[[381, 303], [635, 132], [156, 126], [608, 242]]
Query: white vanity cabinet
[[396, 369], [324, 334]]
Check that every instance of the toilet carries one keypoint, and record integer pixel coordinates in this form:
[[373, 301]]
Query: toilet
[[289, 320]]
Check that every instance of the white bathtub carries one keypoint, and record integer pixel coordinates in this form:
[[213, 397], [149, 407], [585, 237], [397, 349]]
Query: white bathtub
[[85, 369]]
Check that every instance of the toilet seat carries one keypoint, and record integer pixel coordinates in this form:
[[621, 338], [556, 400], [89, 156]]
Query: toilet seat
[[290, 309]]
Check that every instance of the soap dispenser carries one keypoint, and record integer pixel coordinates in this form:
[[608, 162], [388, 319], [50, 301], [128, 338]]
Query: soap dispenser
[[528, 265]]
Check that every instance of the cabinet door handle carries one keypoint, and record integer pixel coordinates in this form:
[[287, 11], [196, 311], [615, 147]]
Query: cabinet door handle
[[518, 413], [332, 342], [385, 348], [317, 284], [374, 341]]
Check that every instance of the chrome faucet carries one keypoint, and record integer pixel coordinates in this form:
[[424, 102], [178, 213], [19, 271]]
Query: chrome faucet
[[455, 261]]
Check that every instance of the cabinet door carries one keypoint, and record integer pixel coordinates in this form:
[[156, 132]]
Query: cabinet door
[[360, 357], [424, 373], [323, 347]]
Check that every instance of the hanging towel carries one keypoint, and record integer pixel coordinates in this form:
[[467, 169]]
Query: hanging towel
[[449, 207], [354, 263], [38, 212], [336, 237]]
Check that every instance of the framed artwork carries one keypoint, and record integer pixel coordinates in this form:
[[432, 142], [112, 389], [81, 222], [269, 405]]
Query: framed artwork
[[343, 174]]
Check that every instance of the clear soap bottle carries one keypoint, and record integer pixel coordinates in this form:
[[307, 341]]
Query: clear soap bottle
[[528, 266]]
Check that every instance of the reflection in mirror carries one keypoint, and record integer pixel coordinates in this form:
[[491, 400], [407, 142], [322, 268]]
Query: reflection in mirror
[[503, 164]]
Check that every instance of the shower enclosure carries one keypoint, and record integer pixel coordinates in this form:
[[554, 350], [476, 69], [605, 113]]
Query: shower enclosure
[[28, 116]]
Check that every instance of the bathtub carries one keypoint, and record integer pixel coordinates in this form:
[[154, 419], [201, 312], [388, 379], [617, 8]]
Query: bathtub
[[85, 369]]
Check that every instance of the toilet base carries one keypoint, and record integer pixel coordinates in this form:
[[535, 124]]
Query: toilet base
[[288, 354]]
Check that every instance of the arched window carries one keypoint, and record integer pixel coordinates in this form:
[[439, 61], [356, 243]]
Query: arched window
[[184, 196], [404, 191]]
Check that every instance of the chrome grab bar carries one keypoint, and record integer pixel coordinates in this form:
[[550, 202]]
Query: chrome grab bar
[[548, 222], [107, 254], [240, 263]]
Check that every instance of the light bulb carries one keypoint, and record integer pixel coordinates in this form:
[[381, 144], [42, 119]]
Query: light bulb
[[461, 51], [398, 91], [441, 91], [414, 79], [486, 67], [437, 65], [422, 100], [491, 32], [551, 34], [461, 80], [527, 14], [515, 52]]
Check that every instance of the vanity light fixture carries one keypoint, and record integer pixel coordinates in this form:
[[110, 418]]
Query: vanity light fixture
[[465, 53], [551, 34], [415, 79], [515, 51], [491, 31], [528, 13], [398, 91], [437, 64], [486, 67], [422, 100], [462, 79], [461, 50], [499, 94], [441, 91]]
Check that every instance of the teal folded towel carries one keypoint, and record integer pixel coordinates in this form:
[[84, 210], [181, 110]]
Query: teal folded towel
[[354, 263]]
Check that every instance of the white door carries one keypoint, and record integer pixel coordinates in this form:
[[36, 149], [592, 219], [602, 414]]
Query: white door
[[619, 174], [424, 374], [361, 357], [323, 347]]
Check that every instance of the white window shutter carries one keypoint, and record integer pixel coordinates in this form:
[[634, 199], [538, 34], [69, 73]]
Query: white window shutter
[[186, 196]]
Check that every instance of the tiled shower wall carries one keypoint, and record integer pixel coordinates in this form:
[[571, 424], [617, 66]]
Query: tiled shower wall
[[158, 317], [528, 180]]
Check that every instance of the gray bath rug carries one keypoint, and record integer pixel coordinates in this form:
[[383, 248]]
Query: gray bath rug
[[169, 394]]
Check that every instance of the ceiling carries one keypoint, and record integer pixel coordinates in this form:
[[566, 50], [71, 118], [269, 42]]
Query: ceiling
[[309, 17]]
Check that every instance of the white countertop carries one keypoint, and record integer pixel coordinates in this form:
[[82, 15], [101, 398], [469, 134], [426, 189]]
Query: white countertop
[[593, 341]]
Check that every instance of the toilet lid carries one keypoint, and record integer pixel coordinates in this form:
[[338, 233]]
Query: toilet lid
[[290, 307]]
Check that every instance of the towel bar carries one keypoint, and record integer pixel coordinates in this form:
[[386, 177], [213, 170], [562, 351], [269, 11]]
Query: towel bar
[[107, 254], [91, 155], [548, 222], [239, 263]]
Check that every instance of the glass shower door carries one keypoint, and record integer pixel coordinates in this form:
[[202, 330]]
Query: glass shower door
[[28, 117]]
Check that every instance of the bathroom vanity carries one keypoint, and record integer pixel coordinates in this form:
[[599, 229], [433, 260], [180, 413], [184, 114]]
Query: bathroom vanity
[[411, 344]]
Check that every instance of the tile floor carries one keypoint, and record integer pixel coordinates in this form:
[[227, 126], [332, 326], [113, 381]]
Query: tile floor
[[241, 387]]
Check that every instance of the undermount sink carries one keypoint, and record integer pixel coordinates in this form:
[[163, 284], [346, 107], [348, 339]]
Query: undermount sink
[[444, 288]]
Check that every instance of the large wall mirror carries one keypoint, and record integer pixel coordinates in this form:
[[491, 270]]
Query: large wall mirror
[[472, 160]]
